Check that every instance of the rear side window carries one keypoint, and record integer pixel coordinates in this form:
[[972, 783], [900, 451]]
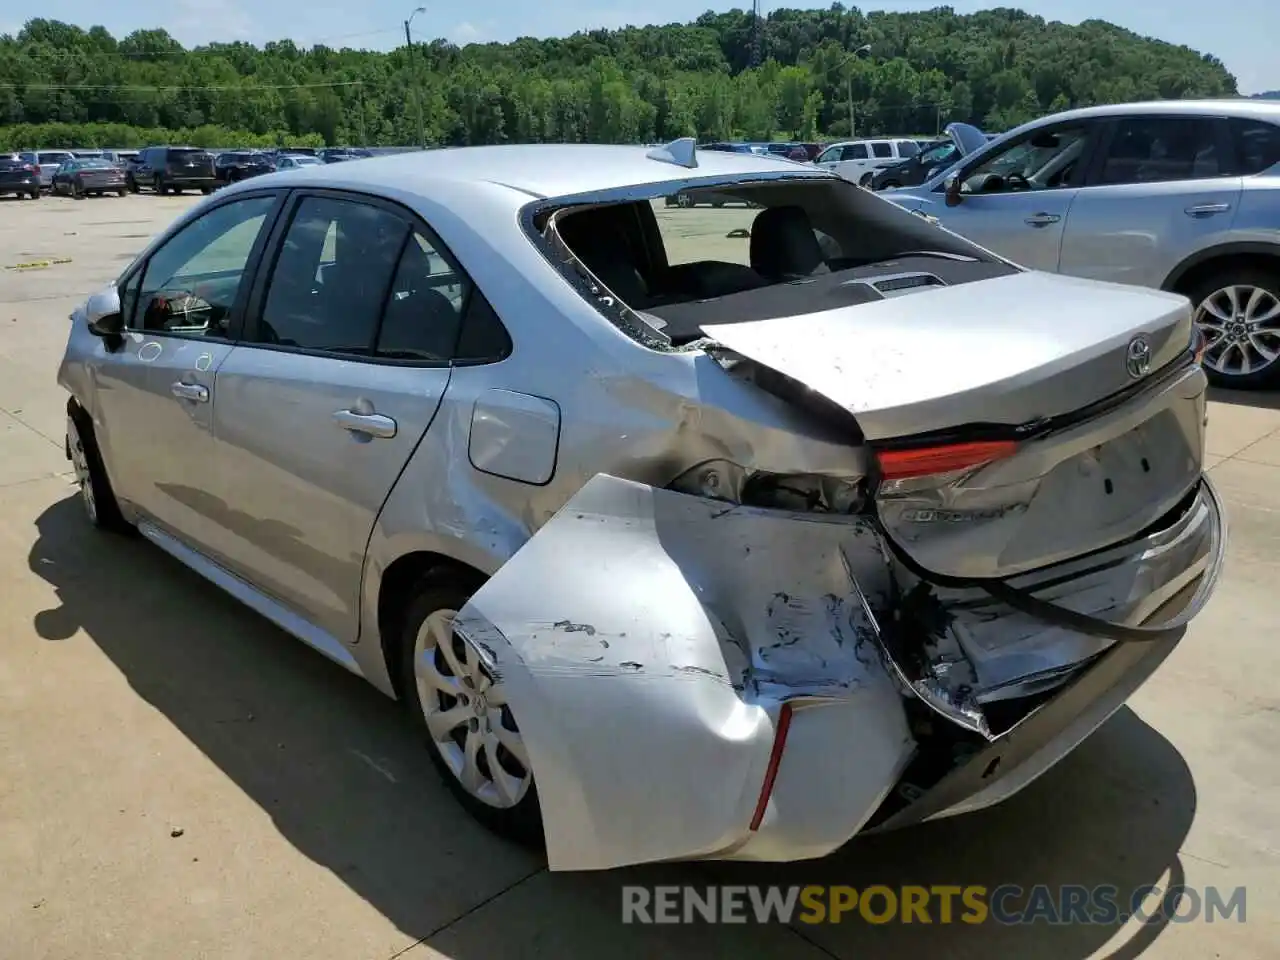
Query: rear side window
[[1160, 149], [1257, 145], [882, 149], [424, 309], [332, 276], [907, 148], [855, 151]]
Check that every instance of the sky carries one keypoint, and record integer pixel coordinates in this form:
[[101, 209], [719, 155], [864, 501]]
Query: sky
[[1241, 33]]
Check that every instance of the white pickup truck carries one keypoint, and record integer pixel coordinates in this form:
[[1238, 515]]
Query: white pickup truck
[[857, 160]]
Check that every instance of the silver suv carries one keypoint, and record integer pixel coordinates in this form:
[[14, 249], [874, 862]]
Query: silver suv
[[1177, 195]]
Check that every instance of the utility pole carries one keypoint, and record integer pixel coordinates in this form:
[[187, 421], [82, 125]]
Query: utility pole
[[862, 51], [417, 83]]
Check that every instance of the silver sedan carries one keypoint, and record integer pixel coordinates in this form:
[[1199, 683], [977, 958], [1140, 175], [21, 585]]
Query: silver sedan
[[730, 544]]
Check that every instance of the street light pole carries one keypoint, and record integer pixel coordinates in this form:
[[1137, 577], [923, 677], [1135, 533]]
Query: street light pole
[[862, 51], [417, 84]]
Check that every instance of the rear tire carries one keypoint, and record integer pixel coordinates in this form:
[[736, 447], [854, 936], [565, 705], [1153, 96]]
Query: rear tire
[[34, 194], [1238, 311], [206, 190], [96, 495], [122, 191], [432, 599]]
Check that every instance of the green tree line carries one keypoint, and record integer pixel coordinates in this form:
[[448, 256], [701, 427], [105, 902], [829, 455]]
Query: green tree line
[[721, 76]]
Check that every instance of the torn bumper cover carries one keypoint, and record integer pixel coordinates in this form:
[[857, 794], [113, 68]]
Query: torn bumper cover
[[697, 680]]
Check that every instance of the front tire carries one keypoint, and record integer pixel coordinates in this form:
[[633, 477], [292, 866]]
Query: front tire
[[96, 495], [462, 712], [1238, 312]]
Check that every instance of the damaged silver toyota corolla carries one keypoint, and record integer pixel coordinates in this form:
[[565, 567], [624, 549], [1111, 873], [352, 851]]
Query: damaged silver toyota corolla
[[731, 545]]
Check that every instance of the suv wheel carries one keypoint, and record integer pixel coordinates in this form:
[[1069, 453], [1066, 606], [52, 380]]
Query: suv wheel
[[460, 708], [96, 495], [1238, 311]]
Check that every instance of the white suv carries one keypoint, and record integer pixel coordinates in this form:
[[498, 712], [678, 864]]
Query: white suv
[[857, 160]]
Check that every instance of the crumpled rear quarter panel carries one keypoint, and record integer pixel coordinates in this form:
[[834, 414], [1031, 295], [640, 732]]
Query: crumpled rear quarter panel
[[647, 639]]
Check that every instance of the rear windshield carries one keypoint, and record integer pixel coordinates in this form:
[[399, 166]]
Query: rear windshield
[[185, 153], [751, 250], [55, 157], [95, 163], [12, 163]]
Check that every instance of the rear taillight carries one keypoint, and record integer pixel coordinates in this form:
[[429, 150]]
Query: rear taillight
[[944, 458], [1198, 342], [29, 168]]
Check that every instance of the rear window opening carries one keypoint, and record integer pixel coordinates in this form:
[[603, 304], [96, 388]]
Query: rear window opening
[[754, 250]]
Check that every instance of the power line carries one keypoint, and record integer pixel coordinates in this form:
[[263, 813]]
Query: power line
[[135, 88]]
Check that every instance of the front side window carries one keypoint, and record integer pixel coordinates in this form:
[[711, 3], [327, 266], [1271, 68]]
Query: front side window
[[190, 284], [1160, 149], [1045, 160], [331, 277], [1257, 146], [829, 155]]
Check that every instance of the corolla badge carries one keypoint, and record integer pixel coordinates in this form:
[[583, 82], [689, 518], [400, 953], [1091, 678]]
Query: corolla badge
[[1137, 358]]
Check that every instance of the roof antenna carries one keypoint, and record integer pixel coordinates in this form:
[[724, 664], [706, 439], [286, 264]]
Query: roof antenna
[[682, 152]]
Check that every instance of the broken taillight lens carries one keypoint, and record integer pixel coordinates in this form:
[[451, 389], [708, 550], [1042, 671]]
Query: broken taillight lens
[[903, 464]]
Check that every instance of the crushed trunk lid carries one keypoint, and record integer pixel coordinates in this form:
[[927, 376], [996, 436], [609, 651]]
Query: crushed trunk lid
[[1009, 425]]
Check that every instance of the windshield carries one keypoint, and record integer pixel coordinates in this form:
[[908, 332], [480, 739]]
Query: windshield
[[940, 153]]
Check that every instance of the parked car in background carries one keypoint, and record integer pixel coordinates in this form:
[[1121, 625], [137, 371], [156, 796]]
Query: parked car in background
[[163, 169], [19, 177], [48, 162], [458, 418], [961, 140], [857, 160], [343, 154], [121, 158], [291, 161], [726, 146], [1178, 195], [235, 165], [89, 177]]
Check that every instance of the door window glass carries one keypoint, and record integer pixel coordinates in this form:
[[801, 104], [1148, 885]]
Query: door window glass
[[190, 284], [332, 276], [1042, 161], [1257, 146], [881, 149], [1159, 149], [829, 155], [425, 305], [855, 151], [907, 148]]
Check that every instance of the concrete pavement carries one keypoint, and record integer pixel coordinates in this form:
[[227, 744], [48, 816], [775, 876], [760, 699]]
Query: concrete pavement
[[178, 779]]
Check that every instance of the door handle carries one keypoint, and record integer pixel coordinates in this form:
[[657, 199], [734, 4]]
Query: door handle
[[1042, 219], [370, 424], [190, 391], [1206, 209]]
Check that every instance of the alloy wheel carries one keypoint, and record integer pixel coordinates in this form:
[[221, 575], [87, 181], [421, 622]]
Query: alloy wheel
[[80, 463], [1241, 326], [467, 715]]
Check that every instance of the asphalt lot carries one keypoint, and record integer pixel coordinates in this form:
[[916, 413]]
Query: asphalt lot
[[178, 779]]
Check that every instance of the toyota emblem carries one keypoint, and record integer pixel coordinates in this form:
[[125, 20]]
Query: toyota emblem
[[1137, 358]]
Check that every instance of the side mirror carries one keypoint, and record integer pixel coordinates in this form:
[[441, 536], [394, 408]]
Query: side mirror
[[951, 190], [102, 310]]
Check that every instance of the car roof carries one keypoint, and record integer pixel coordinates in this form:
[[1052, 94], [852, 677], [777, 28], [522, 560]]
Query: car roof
[[1233, 107], [539, 171]]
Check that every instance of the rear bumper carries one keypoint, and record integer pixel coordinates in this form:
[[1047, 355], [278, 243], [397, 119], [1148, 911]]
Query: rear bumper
[[651, 727], [189, 180], [29, 185]]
